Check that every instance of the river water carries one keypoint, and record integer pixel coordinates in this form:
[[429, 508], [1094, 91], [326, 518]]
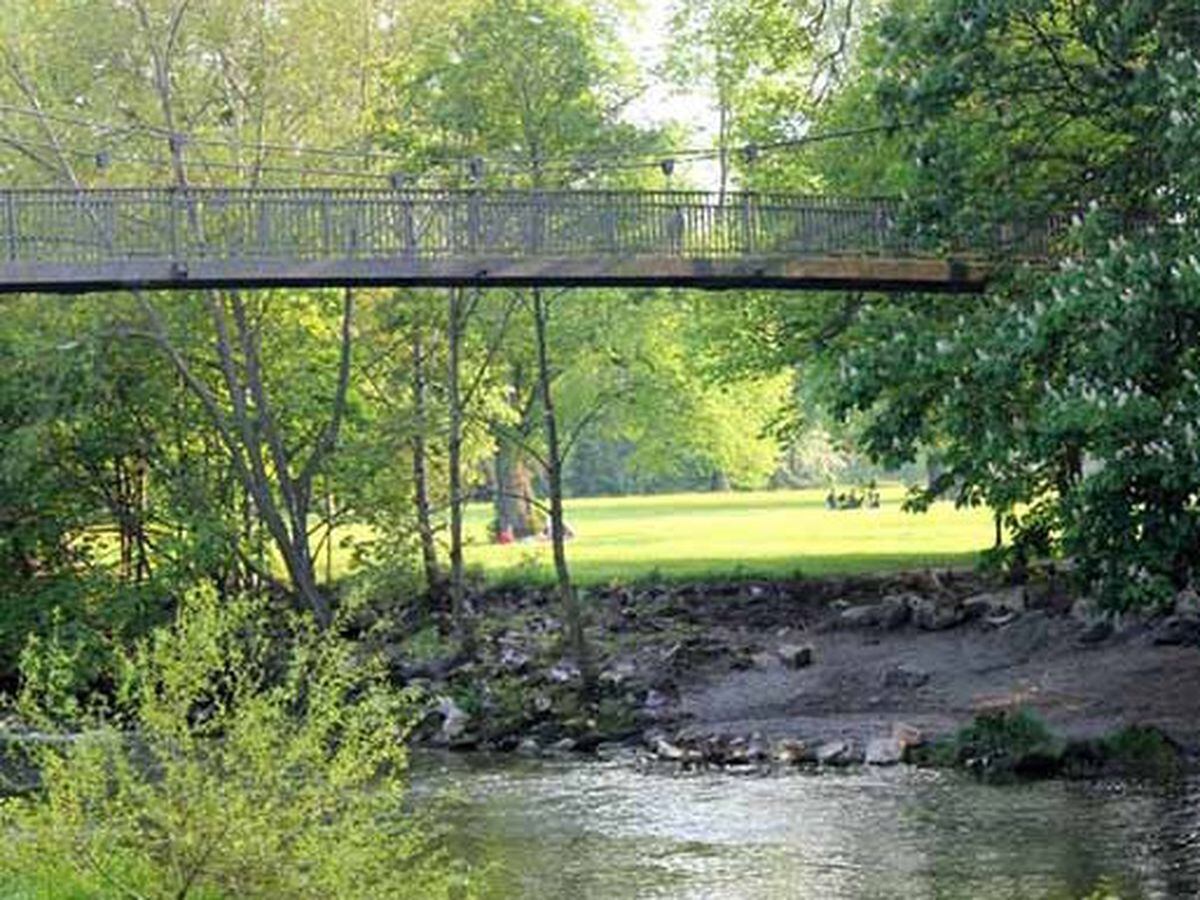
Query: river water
[[568, 829]]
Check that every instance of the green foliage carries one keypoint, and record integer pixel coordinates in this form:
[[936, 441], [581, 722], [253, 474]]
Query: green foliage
[[1143, 752], [999, 744], [50, 676], [1012, 733], [1064, 398], [266, 762]]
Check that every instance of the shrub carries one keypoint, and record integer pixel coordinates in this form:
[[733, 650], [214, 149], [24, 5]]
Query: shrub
[[267, 762], [1143, 752], [999, 744]]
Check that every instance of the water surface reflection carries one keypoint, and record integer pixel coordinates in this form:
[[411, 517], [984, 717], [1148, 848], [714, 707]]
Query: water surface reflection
[[571, 829]]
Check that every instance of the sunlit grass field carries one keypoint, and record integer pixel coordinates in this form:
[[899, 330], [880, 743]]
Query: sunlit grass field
[[764, 533]]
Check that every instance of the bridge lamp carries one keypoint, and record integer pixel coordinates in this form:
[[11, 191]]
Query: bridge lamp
[[668, 169], [398, 181], [103, 160], [750, 154], [475, 169]]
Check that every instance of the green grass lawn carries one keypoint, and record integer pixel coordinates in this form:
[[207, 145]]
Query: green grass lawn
[[765, 533]]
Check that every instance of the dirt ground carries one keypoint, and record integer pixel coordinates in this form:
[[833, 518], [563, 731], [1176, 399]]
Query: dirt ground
[[865, 678]]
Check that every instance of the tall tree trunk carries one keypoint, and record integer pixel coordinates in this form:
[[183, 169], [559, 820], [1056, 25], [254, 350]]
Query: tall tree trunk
[[458, 587], [434, 580], [514, 492], [576, 640]]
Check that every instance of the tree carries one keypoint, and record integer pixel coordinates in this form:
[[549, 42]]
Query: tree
[[1064, 397], [219, 89], [534, 80]]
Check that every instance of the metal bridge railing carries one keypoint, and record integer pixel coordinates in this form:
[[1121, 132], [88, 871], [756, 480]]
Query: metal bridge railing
[[79, 227]]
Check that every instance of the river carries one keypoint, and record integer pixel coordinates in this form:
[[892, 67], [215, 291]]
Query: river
[[570, 829]]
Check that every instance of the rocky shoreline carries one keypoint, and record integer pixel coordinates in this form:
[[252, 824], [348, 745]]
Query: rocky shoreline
[[754, 676], [923, 668]]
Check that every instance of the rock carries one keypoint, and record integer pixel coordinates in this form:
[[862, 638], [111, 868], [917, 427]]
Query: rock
[[930, 615], [542, 704], [907, 735], [998, 602], [454, 720], [904, 677], [611, 750], [865, 616], [895, 611], [619, 673], [664, 749], [693, 652], [889, 613], [757, 749], [564, 672], [1100, 630], [1001, 620], [529, 747], [887, 751], [975, 608], [791, 752], [513, 660], [838, 753], [1187, 602], [795, 656], [565, 745], [1178, 631]]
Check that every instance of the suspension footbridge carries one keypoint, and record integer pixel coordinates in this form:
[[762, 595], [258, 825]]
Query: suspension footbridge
[[80, 241]]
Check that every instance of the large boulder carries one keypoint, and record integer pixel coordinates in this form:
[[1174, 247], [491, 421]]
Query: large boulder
[[564, 672], [1187, 602], [932, 615], [795, 656], [454, 721], [884, 751], [907, 735], [791, 752], [890, 613], [1178, 631], [839, 753], [995, 603]]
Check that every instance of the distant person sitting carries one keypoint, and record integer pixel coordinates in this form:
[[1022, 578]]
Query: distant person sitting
[[830, 500]]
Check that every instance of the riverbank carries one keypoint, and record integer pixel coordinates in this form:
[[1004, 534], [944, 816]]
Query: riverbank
[[831, 671]]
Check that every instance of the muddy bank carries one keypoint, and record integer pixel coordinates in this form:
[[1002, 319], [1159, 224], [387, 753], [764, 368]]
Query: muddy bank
[[836, 671]]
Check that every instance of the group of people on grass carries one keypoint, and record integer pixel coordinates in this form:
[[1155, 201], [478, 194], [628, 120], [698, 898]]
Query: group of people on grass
[[854, 500]]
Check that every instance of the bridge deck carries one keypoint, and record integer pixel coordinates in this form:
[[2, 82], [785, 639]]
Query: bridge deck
[[79, 241]]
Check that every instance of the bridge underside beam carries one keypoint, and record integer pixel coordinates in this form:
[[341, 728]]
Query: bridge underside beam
[[766, 272]]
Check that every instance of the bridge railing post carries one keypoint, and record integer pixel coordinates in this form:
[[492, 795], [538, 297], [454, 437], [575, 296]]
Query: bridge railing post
[[473, 221], [10, 225], [326, 225], [173, 225], [748, 243], [408, 228]]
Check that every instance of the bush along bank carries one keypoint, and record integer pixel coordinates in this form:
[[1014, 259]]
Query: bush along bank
[[1003, 745]]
